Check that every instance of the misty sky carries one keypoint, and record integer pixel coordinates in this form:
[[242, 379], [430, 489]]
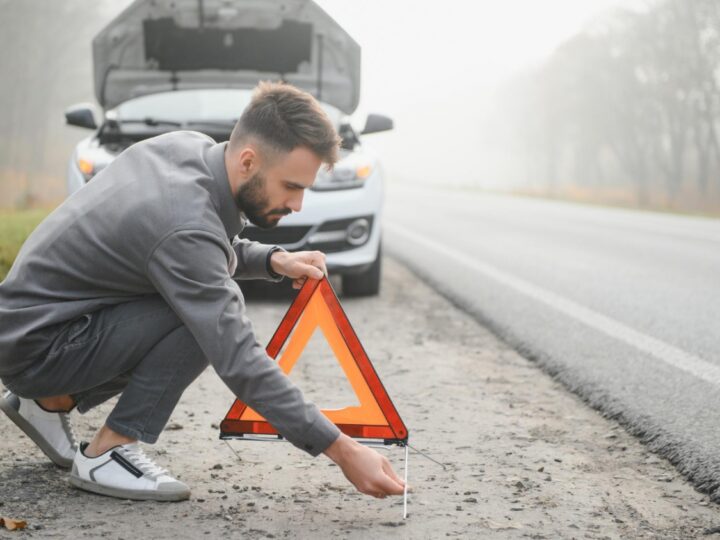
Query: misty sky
[[480, 40], [431, 65]]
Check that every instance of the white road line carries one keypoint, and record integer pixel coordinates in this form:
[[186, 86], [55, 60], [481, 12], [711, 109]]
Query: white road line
[[659, 349]]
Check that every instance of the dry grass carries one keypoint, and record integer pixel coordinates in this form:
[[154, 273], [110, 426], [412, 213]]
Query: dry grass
[[15, 227], [689, 203]]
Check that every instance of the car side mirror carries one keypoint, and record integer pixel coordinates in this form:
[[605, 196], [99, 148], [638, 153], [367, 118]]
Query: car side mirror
[[376, 123], [81, 115]]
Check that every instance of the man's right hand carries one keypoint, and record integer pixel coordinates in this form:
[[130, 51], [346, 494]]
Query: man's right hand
[[369, 471], [299, 265]]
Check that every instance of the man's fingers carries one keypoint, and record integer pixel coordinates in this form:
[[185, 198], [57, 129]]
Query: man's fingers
[[311, 271], [381, 484], [392, 474], [369, 471], [387, 485], [318, 260], [391, 487], [304, 264]]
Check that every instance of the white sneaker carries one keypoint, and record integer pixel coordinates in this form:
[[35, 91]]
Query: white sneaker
[[51, 431], [127, 473]]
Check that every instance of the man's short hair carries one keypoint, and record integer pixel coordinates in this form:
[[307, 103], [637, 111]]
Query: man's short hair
[[282, 118]]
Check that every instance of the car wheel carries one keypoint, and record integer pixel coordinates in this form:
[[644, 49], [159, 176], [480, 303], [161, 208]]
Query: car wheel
[[366, 283]]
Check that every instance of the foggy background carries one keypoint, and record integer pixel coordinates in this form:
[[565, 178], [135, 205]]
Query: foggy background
[[596, 100]]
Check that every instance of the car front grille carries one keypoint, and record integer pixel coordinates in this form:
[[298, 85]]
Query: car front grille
[[278, 235], [329, 237]]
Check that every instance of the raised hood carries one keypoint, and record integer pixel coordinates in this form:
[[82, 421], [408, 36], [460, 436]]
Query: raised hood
[[160, 45]]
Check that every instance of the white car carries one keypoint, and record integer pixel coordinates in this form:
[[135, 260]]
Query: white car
[[164, 65]]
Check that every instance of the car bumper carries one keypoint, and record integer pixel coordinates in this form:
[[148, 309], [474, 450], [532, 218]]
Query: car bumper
[[324, 221]]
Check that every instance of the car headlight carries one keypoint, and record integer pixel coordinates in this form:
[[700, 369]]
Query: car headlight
[[342, 176], [87, 167], [90, 161]]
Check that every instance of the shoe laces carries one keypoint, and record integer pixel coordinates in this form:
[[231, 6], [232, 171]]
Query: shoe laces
[[134, 454], [67, 427]]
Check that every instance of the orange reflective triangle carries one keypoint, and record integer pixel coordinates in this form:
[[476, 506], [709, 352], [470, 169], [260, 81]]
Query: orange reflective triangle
[[316, 306]]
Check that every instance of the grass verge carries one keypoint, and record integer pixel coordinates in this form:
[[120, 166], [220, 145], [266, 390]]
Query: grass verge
[[15, 227]]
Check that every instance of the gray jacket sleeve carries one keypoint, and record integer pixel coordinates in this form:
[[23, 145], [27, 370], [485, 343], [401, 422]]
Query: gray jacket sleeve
[[253, 259], [189, 268]]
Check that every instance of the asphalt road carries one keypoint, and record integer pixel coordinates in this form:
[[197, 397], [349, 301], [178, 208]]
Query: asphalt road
[[622, 306]]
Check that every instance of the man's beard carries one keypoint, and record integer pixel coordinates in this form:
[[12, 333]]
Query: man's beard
[[252, 200]]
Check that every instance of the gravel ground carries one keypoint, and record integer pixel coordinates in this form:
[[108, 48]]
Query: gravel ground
[[523, 457]]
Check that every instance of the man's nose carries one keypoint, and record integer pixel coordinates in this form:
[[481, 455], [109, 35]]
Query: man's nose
[[295, 203]]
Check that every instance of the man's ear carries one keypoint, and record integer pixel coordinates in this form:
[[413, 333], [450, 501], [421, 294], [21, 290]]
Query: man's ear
[[247, 160]]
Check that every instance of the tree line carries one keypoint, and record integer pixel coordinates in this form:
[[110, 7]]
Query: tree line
[[630, 104]]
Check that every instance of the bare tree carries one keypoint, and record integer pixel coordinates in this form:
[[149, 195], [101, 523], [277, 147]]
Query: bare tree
[[637, 92]]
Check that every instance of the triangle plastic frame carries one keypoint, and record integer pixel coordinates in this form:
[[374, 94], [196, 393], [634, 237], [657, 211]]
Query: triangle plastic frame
[[392, 431]]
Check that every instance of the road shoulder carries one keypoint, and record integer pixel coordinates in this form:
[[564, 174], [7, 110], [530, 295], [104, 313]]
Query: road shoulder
[[523, 457]]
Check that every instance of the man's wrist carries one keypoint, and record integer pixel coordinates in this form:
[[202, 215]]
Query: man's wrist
[[274, 274], [340, 449]]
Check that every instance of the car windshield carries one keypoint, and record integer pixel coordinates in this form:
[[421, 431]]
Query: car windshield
[[184, 107]]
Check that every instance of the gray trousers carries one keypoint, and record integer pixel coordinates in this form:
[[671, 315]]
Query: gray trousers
[[138, 349]]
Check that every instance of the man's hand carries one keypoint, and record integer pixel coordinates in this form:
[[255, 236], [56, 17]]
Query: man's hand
[[299, 266], [369, 471]]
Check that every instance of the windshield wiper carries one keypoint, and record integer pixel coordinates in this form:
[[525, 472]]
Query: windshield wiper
[[212, 123], [149, 121]]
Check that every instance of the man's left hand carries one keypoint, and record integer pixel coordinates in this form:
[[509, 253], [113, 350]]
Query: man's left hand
[[299, 265]]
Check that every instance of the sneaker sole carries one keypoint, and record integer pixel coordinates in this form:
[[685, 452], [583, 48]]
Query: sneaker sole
[[35, 435], [136, 495]]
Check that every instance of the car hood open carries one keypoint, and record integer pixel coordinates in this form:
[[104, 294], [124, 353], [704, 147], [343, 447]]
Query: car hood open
[[161, 45]]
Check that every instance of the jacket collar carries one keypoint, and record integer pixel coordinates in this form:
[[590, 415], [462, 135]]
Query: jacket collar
[[224, 201]]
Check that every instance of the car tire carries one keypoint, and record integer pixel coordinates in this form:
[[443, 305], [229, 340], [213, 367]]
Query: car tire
[[366, 283]]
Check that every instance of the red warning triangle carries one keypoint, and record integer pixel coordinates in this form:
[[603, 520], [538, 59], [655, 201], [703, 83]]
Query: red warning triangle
[[317, 306]]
